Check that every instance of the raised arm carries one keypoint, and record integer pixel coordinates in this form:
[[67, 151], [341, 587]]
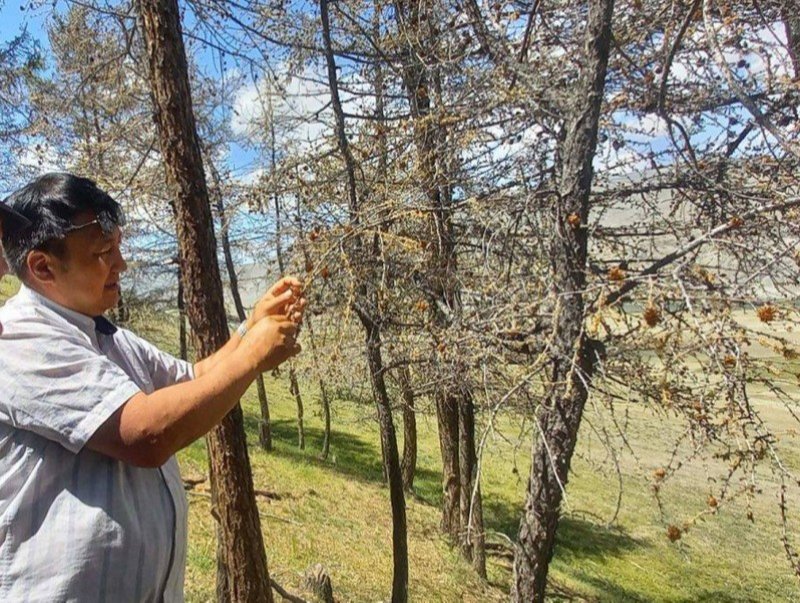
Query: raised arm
[[148, 429]]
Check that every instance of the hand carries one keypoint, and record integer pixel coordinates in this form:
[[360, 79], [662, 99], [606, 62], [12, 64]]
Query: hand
[[284, 298], [271, 342]]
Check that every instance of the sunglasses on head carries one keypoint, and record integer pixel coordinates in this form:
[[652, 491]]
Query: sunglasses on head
[[107, 221]]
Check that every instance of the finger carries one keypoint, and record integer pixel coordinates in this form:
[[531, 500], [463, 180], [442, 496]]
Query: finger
[[279, 287], [287, 327], [295, 308], [287, 282], [271, 305], [299, 304]]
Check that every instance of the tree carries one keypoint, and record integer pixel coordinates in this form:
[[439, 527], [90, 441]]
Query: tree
[[20, 64], [572, 353], [368, 308], [462, 515], [245, 562]]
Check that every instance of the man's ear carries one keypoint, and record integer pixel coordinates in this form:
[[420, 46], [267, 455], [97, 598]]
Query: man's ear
[[40, 266]]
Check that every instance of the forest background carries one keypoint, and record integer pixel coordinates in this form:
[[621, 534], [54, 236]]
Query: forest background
[[551, 256]]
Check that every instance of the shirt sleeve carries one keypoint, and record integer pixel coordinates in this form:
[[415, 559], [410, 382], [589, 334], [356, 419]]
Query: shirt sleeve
[[164, 369], [54, 383]]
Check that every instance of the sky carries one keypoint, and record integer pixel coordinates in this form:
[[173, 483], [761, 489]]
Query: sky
[[304, 97], [17, 16]]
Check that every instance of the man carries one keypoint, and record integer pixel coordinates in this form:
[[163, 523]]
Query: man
[[92, 506]]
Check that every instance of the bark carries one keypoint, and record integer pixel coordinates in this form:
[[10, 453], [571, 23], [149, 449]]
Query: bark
[[392, 463], [384, 463], [294, 388], [473, 541], [181, 318], [318, 581], [447, 421], [241, 544], [409, 464], [368, 311], [571, 355], [264, 427]]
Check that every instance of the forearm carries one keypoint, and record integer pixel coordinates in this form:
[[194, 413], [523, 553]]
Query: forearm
[[149, 429], [204, 366]]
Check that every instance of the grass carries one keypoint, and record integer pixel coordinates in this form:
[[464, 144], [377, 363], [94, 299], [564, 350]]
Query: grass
[[337, 512]]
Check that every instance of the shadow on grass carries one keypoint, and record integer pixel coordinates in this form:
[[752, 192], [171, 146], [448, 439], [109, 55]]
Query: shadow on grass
[[611, 591], [608, 591], [578, 544], [501, 515], [349, 454], [578, 540]]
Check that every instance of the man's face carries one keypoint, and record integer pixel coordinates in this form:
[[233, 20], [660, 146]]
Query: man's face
[[86, 277]]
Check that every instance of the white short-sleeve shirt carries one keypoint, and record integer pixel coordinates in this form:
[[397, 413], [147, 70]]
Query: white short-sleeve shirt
[[76, 525]]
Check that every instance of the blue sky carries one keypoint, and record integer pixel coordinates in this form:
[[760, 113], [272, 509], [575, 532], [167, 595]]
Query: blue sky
[[13, 19]]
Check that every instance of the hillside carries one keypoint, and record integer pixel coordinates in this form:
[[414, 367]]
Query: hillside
[[337, 512]]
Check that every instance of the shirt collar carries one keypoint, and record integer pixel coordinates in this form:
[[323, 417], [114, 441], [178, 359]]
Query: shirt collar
[[87, 324]]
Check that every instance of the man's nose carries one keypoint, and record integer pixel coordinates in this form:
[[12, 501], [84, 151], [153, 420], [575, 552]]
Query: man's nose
[[120, 262]]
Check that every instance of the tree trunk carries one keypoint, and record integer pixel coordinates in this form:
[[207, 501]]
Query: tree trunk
[[240, 529], [409, 464], [559, 417], [791, 24], [122, 310], [473, 541], [294, 388], [181, 318], [392, 464], [447, 420], [430, 140], [265, 425], [369, 313], [326, 417]]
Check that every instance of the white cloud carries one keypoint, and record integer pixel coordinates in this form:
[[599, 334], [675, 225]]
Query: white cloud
[[299, 106]]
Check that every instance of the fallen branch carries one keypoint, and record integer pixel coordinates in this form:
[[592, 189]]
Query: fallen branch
[[286, 594]]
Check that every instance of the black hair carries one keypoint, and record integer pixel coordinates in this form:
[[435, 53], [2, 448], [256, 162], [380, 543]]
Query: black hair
[[50, 203]]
